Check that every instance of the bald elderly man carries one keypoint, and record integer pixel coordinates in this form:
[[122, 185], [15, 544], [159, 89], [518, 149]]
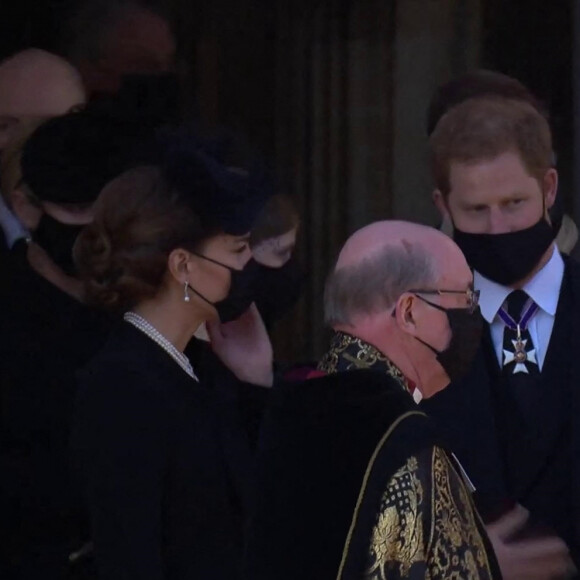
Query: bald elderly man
[[35, 85], [352, 483]]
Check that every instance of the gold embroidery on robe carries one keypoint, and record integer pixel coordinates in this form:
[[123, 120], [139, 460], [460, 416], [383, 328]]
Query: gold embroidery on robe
[[457, 549], [351, 353], [398, 533], [426, 525]]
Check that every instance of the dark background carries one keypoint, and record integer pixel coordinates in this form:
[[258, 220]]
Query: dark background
[[531, 40], [250, 69]]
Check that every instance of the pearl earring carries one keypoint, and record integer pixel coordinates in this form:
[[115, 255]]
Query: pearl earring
[[186, 297]]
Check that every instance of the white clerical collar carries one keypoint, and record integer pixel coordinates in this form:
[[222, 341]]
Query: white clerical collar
[[543, 289]]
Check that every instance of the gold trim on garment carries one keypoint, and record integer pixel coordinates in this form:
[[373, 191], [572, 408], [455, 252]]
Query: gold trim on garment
[[368, 470]]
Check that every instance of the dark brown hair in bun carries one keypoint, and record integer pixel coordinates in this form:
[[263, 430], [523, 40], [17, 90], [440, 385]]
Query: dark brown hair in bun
[[122, 255]]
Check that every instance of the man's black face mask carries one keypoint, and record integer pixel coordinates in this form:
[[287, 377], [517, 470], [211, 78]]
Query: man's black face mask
[[506, 258], [466, 327]]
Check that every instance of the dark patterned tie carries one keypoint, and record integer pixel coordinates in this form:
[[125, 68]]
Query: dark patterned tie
[[519, 353]]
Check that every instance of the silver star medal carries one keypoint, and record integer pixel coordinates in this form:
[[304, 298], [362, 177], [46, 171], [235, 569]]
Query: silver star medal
[[520, 356]]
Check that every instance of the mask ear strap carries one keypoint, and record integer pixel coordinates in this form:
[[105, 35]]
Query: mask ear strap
[[432, 304], [394, 312], [546, 210], [437, 353], [190, 287], [543, 203], [437, 307], [213, 262]]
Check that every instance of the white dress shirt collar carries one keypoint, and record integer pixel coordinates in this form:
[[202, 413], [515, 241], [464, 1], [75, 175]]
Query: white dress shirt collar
[[543, 289]]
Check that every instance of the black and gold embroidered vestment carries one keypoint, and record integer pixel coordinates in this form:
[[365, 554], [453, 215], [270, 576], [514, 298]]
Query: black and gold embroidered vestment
[[353, 486]]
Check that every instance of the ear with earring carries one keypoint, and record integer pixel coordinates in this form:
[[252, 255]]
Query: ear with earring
[[186, 297]]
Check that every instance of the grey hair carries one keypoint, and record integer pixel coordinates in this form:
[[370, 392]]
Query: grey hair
[[374, 284]]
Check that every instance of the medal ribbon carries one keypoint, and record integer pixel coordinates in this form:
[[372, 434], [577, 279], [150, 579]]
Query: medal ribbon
[[528, 312]]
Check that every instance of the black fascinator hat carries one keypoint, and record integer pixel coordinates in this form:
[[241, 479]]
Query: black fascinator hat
[[225, 191]]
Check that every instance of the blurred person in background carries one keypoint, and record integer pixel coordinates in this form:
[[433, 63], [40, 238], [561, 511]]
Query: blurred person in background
[[46, 334], [113, 40], [279, 279], [34, 86]]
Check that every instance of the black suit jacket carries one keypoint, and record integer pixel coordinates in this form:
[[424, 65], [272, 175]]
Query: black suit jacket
[[549, 479], [46, 336], [164, 461]]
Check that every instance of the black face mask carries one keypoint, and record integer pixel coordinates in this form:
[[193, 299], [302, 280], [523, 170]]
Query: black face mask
[[153, 96], [57, 240], [506, 258], [466, 328], [278, 289], [241, 293]]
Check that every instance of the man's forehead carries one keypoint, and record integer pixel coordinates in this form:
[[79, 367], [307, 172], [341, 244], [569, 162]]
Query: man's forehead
[[502, 168]]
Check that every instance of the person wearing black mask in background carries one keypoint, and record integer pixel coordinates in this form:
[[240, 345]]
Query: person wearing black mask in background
[[34, 86], [110, 40], [159, 435], [125, 51], [512, 421], [46, 334], [275, 279], [273, 240]]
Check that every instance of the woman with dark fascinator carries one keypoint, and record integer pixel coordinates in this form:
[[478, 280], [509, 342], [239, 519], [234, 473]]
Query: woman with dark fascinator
[[160, 425]]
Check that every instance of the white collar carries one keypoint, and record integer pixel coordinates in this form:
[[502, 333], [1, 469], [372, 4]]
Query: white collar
[[543, 289]]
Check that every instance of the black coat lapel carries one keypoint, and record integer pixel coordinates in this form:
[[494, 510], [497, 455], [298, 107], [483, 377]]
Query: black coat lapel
[[464, 415]]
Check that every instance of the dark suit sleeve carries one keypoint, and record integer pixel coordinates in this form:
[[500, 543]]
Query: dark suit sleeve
[[250, 400], [120, 442]]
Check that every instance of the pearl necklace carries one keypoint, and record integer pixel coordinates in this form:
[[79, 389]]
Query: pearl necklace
[[148, 329]]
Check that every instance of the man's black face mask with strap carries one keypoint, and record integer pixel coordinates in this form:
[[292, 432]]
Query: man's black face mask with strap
[[466, 326], [510, 257]]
